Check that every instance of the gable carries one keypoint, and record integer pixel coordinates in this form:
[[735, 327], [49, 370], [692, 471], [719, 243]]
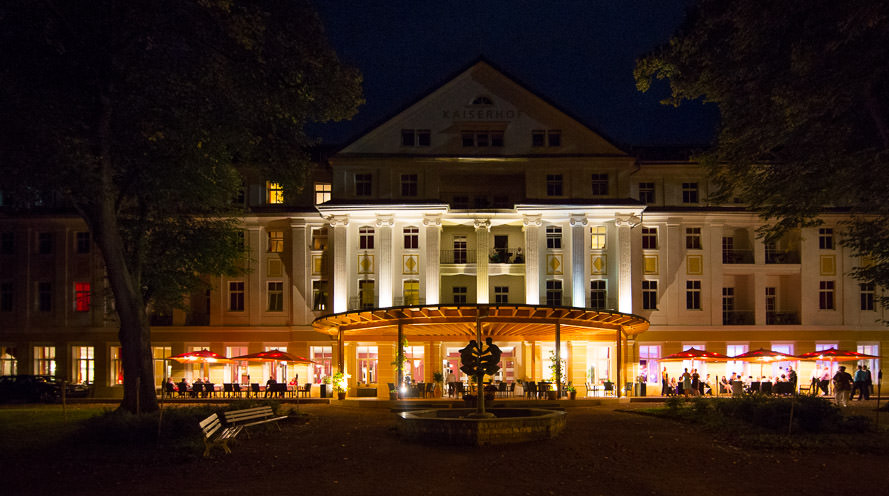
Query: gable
[[478, 113]]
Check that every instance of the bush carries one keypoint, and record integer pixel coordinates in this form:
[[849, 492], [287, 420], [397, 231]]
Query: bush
[[180, 425]]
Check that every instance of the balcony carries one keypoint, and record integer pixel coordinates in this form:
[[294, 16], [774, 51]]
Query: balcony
[[737, 317], [364, 302], [737, 256], [782, 318], [457, 256], [400, 301], [782, 257], [507, 256]]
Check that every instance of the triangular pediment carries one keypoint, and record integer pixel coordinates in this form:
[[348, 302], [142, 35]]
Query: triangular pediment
[[481, 103]]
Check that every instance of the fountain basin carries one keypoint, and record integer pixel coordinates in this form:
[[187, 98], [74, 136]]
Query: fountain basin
[[454, 426]]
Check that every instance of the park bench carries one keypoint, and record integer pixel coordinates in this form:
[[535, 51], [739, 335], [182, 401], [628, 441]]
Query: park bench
[[252, 416], [215, 434]]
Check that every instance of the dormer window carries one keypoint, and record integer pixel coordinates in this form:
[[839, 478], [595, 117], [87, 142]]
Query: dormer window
[[482, 100], [416, 137]]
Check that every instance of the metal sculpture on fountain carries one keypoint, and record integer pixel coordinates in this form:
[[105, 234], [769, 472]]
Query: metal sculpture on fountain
[[478, 361]]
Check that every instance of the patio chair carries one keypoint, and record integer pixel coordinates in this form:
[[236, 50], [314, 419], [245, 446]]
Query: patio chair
[[430, 388], [227, 390], [169, 388], [183, 388], [766, 387], [501, 389], [236, 389], [460, 389], [421, 389], [510, 391], [254, 388], [530, 390], [209, 389], [608, 389], [306, 391]]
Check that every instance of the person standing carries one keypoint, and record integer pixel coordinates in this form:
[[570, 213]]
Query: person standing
[[868, 383], [791, 377], [665, 383], [858, 385], [842, 381], [686, 383]]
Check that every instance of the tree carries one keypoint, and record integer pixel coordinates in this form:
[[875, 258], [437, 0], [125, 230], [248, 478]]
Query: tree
[[143, 116], [803, 94]]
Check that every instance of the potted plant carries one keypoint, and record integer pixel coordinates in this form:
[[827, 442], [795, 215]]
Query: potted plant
[[438, 379], [339, 385], [326, 390], [572, 393]]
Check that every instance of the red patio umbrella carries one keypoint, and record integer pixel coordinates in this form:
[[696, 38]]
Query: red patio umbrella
[[835, 355], [273, 356], [763, 356], [200, 356], [695, 354]]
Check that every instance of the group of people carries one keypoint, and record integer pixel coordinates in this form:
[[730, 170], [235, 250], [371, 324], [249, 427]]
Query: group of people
[[689, 384], [846, 385], [199, 386]]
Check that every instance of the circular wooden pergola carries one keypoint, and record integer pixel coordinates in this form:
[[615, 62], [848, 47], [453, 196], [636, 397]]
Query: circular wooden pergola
[[479, 321]]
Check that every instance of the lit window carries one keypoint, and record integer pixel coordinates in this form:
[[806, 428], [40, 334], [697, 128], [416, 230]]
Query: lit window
[[276, 296], [411, 238], [116, 366], [411, 292], [649, 363], [322, 192], [319, 295], [276, 241], [553, 185], [366, 238], [366, 294], [554, 237], [319, 238], [689, 192], [826, 295], [84, 364], [867, 296], [649, 238], [408, 185], [693, 238], [45, 360], [323, 366], [825, 238], [275, 193], [598, 294], [554, 293], [501, 295], [236, 296], [82, 242], [693, 295], [367, 364], [600, 184], [363, 183], [649, 295], [646, 193], [81, 297], [597, 237]]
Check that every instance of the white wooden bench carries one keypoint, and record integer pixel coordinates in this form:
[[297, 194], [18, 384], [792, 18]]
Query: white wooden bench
[[252, 416], [216, 434]]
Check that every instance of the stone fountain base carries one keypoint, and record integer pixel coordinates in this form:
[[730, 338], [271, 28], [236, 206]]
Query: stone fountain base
[[456, 426]]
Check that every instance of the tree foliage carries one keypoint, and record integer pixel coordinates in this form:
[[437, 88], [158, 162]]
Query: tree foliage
[[803, 94], [144, 117]]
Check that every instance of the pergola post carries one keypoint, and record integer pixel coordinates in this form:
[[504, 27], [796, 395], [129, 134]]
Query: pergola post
[[340, 352], [399, 359], [558, 361], [620, 363], [480, 395]]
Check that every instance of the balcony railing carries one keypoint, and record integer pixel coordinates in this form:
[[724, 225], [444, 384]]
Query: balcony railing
[[457, 256], [400, 301], [737, 317], [782, 318], [507, 256], [737, 256], [363, 302], [782, 257]]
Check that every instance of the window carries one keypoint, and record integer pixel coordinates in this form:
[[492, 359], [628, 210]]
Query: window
[[7, 294], [7, 243], [646, 193], [367, 364], [542, 138], [408, 185], [649, 238], [323, 366], [366, 238], [82, 242], [501, 295], [322, 192], [693, 295], [693, 238], [554, 293], [8, 363], [84, 364], [45, 360], [553, 237], [276, 296], [366, 294], [649, 364], [411, 292], [44, 296], [81, 297], [649, 295], [415, 137], [276, 241], [825, 238], [44, 243], [553, 185], [735, 366], [363, 183], [116, 366], [600, 184], [598, 294], [411, 238], [867, 295], [319, 238], [597, 237], [459, 294], [771, 300], [274, 193], [319, 295], [236, 296], [689, 192], [728, 305], [482, 138], [825, 295], [460, 249]]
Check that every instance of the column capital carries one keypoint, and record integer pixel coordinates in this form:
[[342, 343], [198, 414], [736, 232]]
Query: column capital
[[433, 220], [578, 219], [385, 220], [337, 220], [629, 220], [535, 220], [482, 224]]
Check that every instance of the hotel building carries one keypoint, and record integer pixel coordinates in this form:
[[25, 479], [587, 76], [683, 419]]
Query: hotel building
[[480, 203]]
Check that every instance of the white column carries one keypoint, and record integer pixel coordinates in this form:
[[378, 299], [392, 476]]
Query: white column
[[532, 225], [624, 223], [433, 258], [339, 261], [300, 282], [385, 279], [254, 290], [482, 228], [578, 285]]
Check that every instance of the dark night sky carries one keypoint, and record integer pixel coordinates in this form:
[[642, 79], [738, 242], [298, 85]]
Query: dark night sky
[[578, 54]]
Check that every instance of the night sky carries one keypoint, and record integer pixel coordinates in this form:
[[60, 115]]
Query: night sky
[[577, 54]]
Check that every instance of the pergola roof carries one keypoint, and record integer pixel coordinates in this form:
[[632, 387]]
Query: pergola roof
[[505, 322]]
